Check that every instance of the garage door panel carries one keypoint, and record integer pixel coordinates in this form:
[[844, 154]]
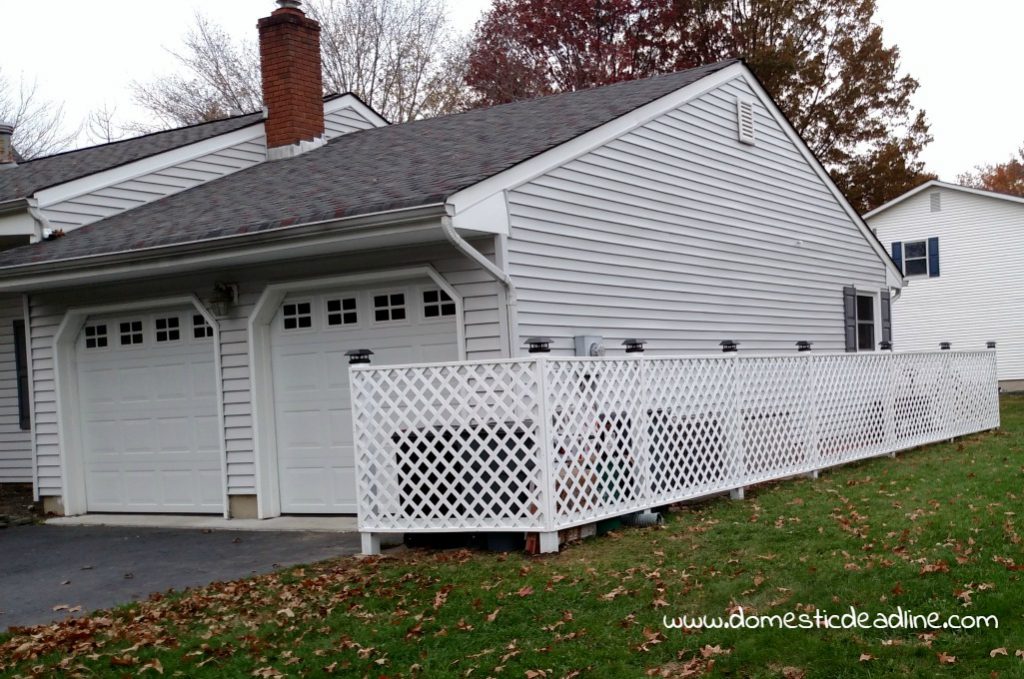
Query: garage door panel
[[150, 432], [311, 389]]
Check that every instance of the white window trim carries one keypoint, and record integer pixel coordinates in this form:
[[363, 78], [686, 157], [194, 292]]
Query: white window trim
[[927, 259]]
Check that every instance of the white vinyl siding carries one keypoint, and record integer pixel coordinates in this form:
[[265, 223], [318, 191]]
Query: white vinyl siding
[[483, 338], [679, 234], [146, 188], [978, 296], [343, 121], [126, 195], [15, 443]]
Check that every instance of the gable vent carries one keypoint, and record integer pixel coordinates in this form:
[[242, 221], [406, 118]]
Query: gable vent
[[745, 116], [936, 202]]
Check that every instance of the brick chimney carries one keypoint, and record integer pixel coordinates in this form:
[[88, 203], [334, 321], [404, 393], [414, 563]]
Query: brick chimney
[[292, 81], [7, 158]]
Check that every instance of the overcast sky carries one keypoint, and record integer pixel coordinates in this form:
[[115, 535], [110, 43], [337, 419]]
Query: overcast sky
[[966, 56]]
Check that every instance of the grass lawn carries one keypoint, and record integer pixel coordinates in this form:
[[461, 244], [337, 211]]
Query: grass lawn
[[935, 529]]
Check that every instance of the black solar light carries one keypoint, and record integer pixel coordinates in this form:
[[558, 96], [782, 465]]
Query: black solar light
[[804, 345], [885, 345], [990, 344], [538, 345], [729, 346], [357, 356], [945, 346], [634, 346]]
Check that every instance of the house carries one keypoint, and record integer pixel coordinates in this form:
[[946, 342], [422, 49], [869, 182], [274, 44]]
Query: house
[[960, 250], [187, 353]]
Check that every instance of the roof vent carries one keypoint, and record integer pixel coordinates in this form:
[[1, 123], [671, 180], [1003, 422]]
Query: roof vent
[[745, 116], [936, 199]]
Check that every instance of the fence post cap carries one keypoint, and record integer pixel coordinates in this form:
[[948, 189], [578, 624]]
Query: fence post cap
[[885, 345], [990, 344], [634, 346], [729, 346], [804, 345], [357, 356], [538, 345], [945, 346]]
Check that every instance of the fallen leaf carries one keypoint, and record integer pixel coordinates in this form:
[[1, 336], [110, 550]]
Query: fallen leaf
[[945, 658], [997, 651]]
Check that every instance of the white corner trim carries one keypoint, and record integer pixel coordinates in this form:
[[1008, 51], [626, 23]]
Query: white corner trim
[[894, 277], [937, 184], [144, 166], [268, 490], [26, 306], [349, 100], [65, 375], [588, 141]]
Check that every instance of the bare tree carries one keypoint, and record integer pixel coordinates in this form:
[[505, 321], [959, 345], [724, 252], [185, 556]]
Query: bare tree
[[102, 126], [39, 124], [399, 56]]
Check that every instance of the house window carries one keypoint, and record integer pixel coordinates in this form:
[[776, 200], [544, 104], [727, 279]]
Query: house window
[[915, 258], [21, 368], [865, 323], [437, 303], [96, 336], [342, 311], [131, 332], [200, 328], [168, 329], [297, 315], [389, 307]]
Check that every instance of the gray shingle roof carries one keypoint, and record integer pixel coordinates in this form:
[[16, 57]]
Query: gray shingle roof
[[34, 175], [397, 166]]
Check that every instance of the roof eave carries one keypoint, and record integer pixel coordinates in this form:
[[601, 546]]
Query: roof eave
[[222, 250]]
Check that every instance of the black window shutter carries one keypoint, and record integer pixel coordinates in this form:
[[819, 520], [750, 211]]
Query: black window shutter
[[897, 255], [886, 300], [933, 257], [850, 317], [21, 366]]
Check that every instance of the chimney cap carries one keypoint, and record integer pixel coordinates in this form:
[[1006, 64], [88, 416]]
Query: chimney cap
[[6, 127], [289, 4]]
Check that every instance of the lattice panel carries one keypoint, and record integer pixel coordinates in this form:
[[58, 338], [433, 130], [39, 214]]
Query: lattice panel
[[691, 424], [598, 437], [775, 417], [448, 447], [544, 443]]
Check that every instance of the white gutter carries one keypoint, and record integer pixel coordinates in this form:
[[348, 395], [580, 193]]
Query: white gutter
[[496, 272]]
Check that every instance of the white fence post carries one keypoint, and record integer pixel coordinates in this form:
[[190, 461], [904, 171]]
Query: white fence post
[[735, 438], [549, 536], [811, 430], [645, 423]]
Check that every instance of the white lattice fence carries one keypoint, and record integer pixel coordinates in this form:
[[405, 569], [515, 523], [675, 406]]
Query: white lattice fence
[[541, 444]]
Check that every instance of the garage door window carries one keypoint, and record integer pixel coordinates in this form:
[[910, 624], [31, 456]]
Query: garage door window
[[437, 303], [390, 307], [297, 315], [342, 311], [96, 336], [168, 329], [200, 328], [131, 333]]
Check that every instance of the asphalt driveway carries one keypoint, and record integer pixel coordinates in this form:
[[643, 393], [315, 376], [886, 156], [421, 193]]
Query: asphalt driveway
[[42, 567]]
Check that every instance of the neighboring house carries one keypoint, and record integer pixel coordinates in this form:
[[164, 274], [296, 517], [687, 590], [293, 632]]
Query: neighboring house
[[961, 250], [188, 354]]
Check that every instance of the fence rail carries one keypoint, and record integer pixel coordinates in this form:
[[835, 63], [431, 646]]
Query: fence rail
[[541, 444]]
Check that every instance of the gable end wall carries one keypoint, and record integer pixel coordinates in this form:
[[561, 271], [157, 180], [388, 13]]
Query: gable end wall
[[679, 234]]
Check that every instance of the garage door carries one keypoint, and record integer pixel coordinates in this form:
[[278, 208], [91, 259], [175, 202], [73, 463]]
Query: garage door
[[148, 405], [402, 323]]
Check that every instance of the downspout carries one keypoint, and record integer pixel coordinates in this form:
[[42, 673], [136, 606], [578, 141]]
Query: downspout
[[495, 271], [42, 222]]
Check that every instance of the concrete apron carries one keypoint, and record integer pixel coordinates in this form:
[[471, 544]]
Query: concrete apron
[[323, 524]]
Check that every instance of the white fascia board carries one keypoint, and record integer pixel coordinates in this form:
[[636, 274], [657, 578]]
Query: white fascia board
[[144, 166], [894, 277], [490, 215], [530, 169], [349, 100], [936, 184]]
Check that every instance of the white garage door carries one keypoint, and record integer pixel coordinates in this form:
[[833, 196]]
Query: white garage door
[[401, 323], [148, 405]]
